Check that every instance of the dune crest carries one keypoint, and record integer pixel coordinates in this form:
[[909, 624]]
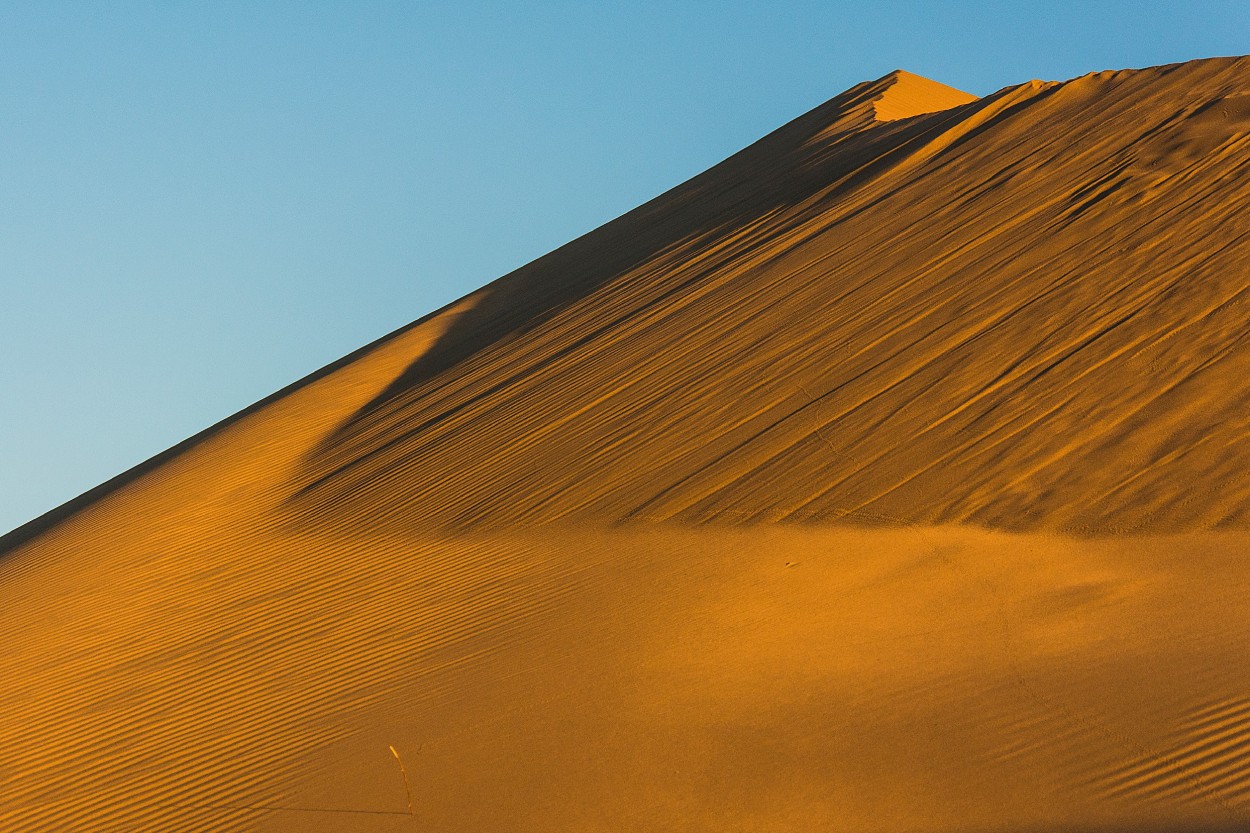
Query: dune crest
[[905, 95], [893, 473]]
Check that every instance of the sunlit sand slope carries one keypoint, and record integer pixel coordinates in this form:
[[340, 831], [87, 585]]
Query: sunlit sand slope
[[891, 475], [769, 678]]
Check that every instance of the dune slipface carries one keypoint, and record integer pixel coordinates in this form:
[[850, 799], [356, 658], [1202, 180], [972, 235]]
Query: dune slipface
[[892, 474]]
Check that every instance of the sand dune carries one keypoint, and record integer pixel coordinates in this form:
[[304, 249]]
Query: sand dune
[[891, 474]]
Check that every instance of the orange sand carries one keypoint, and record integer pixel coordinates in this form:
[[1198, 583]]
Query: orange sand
[[891, 475]]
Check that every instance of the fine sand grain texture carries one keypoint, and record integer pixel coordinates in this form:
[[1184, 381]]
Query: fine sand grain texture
[[892, 475]]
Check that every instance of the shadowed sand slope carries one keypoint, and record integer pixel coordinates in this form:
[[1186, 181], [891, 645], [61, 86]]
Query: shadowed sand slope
[[546, 543]]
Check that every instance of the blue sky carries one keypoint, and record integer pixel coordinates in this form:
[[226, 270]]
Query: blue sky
[[204, 201]]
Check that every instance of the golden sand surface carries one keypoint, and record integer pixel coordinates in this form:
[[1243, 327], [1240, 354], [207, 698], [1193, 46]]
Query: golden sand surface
[[892, 475]]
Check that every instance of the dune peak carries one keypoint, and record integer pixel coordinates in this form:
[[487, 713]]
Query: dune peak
[[904, 94]]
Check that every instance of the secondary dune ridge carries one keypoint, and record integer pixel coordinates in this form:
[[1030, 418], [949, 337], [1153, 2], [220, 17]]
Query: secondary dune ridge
[[888, 475]]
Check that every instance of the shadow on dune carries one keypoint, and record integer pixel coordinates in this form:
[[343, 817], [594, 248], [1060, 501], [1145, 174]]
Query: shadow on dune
[[815, 153], [829, 151]]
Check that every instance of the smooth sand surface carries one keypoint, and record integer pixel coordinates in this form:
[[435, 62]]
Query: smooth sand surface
[[891, 475]]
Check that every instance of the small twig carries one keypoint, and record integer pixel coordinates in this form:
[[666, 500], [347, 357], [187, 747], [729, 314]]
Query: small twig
[[404, 772]]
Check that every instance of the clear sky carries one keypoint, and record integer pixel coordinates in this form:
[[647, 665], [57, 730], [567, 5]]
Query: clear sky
[[204, 201]]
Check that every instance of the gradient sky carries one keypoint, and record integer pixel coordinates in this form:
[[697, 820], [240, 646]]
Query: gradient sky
[[204, 201]]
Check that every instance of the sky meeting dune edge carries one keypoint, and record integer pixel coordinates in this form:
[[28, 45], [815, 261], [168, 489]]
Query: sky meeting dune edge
[[890, 474]]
